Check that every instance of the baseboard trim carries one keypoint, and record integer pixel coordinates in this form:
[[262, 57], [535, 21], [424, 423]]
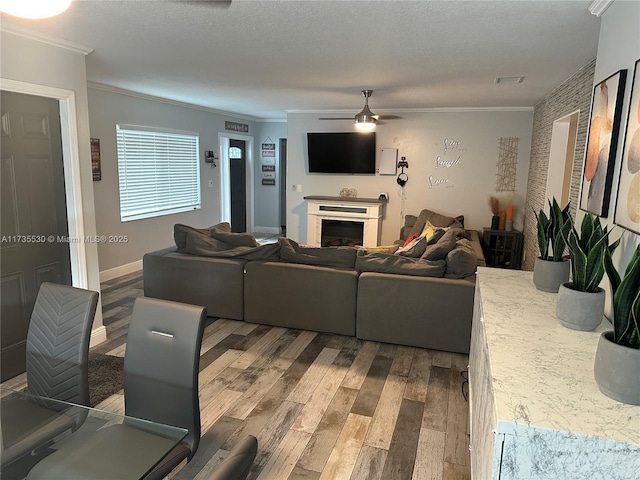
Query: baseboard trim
[[121, 270], [98, 336]]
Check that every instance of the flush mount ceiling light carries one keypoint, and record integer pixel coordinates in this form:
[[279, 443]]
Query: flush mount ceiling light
[[34, 9]]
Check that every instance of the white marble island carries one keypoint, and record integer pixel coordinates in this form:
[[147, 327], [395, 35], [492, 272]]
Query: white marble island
[[536, 411]]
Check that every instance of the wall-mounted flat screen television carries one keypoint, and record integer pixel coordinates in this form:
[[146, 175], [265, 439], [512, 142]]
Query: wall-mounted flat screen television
[[342, 152]]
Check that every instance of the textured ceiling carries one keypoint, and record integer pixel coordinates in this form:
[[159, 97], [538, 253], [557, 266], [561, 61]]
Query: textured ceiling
[[262, 58]]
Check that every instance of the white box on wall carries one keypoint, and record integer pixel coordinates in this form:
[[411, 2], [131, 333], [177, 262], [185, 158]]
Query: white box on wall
[[388, 161]]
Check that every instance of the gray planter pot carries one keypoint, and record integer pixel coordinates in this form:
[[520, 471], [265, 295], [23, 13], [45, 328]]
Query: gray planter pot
[[549, 275], [616, 370], [579, 310]]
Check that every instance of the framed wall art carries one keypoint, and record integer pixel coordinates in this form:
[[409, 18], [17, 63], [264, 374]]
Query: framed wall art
[[604, 127], [628, 200]]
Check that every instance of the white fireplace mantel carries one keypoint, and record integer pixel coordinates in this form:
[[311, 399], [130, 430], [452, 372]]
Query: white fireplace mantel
[[365, 210]]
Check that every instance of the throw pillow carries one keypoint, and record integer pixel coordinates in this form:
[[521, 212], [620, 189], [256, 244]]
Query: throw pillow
[[414, 249], [180, 232], [433, 233], [435, 218], [410, 239], [462, 260], [440, 249]]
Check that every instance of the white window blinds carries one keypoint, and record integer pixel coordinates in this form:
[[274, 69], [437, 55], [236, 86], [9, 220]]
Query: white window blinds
[[159, 172]]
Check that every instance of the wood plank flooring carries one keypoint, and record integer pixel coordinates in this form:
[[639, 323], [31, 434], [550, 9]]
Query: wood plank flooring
[[323, 406]]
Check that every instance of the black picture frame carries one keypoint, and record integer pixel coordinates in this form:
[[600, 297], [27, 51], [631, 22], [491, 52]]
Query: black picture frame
[[627, 213], [604, 128]]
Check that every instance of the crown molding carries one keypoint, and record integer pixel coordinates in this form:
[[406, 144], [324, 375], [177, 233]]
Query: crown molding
[[598, 7], [380, 111], [153, 98], [32, 34]]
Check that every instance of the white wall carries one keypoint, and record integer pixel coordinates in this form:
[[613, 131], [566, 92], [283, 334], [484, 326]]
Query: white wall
[[267, 197], [34, 62], [618, 48], [106, 109], [420, 138]]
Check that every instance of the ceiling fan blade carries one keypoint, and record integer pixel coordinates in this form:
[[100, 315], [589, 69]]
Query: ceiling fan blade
[[336, 118], [389, 117]]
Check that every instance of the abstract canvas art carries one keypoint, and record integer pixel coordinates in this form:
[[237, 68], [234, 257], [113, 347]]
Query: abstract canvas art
[[604, 127], [628, 200]]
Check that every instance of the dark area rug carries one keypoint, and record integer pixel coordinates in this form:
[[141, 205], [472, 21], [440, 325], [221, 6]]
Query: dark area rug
[[105, 376]]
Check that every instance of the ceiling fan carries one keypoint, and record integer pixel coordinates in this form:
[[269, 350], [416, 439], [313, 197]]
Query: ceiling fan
[[366, 120]]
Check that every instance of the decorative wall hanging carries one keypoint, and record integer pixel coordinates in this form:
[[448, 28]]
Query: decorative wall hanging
[[236, 126], [96, 166], [604, 126], [507, 164], [628, 200]]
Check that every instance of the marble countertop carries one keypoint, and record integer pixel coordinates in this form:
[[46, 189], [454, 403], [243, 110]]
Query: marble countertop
[[542, 372]]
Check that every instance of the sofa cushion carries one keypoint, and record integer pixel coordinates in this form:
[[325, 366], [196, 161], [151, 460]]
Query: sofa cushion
[[440, 249], [235, 239], [384, 263], [293, 252], [180, 232], [462, 260], [381, 249], [210, 246]]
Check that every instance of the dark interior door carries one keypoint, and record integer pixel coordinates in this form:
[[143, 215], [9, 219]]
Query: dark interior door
[[238, 179], [282, 166], [33, 216]]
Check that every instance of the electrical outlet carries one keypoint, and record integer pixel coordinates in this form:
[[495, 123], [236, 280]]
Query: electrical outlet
[[210, 183]]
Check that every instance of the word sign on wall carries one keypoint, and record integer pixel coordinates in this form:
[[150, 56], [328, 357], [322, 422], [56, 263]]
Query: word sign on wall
[[450, 157]]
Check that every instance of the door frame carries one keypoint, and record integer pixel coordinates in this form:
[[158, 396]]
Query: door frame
[[71, 162], [225, 189]]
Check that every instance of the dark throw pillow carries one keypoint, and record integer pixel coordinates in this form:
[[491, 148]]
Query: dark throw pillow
[[440, 249]]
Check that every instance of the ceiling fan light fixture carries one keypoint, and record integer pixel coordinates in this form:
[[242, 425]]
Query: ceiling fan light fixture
[[366, 120], [365, 125], [34, 9]]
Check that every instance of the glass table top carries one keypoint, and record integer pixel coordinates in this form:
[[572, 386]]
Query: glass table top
[[35, 429]]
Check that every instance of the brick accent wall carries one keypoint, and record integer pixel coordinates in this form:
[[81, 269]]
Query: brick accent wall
[[574, 94]]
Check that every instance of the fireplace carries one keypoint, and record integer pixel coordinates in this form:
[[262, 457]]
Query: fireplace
[[333, 221], [338, 233]]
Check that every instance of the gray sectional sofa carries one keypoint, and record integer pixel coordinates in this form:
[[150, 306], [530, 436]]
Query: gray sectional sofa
[[372, 295]]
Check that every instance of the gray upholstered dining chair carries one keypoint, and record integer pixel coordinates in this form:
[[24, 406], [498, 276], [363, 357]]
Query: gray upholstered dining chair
[[56, 366], [160, 385], [238, 463]]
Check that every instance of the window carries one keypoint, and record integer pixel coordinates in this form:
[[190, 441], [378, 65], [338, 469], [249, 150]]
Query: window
[[159, 172]]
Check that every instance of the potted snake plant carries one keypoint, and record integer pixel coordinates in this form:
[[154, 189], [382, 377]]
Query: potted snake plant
[[580, 304], [617, 361], [551, 269]]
